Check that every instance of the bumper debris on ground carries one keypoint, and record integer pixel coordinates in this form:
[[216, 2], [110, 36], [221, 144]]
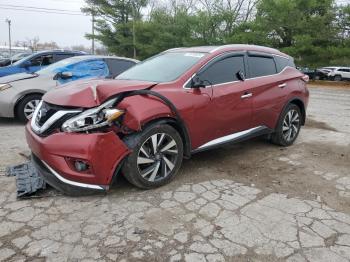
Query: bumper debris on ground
[[28, 181]]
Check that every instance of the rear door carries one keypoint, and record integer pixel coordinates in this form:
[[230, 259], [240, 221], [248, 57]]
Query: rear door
[[345, 73], [269, 87]]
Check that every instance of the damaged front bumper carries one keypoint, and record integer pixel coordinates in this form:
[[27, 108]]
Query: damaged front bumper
[[54, 157]]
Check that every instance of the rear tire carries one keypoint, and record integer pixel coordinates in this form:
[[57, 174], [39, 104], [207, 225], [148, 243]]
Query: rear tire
[[288, 126], [26, 107], [156, 157]]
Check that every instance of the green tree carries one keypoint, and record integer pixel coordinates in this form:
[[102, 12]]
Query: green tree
[[314, 32], [115, 22]]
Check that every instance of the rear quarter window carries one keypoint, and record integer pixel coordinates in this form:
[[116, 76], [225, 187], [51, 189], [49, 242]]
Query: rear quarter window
[[59, 57], [283, 62], [261, 66]]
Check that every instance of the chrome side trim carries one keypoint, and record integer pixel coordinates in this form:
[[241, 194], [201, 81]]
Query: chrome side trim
[[72, 183], [37, 129], [227, 138]]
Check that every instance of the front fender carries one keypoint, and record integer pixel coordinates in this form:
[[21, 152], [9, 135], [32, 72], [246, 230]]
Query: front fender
[[140, 110]]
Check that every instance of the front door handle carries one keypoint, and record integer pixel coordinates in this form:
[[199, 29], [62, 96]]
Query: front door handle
[[282, 85], [246, 95]]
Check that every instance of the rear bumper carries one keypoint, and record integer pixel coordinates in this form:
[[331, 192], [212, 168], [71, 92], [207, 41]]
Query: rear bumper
[[53, 157]]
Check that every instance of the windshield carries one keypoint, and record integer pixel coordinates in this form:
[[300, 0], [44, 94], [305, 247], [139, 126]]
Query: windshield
[[55, 67], [164, 67]]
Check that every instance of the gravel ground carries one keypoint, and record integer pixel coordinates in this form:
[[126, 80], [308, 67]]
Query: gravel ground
[[246, 202]]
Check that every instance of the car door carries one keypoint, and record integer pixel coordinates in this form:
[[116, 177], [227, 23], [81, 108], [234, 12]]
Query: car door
[[231, 105], [118, 66], [345, 73], [269, 88]]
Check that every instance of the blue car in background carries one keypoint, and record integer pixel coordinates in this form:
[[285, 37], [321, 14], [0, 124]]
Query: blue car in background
[[21, 93], [37, 61]]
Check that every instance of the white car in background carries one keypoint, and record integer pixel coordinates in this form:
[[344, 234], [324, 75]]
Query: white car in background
[[339, 73]]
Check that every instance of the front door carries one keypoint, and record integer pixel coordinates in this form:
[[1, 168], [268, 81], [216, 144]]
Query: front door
[[230, 108]]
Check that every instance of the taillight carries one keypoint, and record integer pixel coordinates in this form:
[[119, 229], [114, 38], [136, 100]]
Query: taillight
[[305, 78]]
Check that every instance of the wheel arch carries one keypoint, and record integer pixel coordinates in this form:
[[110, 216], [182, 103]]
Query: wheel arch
[[298, 102], [181, 129], [22, 97]]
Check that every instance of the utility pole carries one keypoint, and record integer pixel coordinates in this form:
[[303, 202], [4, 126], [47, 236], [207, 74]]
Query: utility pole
[[133, 30], [9, 23], [93, 34]]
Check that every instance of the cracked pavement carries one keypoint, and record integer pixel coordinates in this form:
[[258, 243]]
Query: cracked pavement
[[247, 202]]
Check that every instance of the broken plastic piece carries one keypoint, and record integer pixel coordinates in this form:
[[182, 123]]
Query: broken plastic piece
[[28, 181]]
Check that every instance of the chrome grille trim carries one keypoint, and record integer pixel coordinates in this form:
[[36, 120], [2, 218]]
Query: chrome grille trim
[[56, 116]]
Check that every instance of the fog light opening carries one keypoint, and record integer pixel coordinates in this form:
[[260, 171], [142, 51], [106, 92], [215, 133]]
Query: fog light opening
[[81, 166]]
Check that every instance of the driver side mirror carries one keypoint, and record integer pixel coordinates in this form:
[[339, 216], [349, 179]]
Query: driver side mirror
[[196, 82], [63, 75], [240, 75]]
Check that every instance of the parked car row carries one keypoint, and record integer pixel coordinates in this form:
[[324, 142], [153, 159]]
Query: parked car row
[[13, 59], [20, 93], [328, 73], [37, 61]]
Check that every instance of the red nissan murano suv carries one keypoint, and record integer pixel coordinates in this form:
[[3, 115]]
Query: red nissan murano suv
[[179, 102]]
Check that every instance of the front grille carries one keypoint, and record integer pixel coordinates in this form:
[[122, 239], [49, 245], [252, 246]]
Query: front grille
[[49, 112], [46, 111]]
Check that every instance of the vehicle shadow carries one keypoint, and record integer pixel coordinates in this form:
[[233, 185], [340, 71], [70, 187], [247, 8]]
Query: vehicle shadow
[[10, 121], [208, 165]]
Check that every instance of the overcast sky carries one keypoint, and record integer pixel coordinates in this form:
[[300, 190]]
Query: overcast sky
[[65, 30]]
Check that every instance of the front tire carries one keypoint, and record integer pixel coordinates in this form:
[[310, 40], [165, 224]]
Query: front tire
[[156, 157], [337, 78], [288, 126], [26, 107]]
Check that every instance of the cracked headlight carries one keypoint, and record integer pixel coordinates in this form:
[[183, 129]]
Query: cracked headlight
[[4, 87], [93, 118]]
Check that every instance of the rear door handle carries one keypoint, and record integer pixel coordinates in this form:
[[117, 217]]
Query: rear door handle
[[282, 85], [247, 95]]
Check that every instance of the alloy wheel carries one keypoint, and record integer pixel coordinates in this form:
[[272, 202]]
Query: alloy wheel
[[29, 108], [157, 157], [291, 124]]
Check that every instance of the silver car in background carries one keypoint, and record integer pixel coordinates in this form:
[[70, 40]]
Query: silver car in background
[[21, 93]]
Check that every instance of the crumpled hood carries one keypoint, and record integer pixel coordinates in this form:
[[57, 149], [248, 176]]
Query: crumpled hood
[[16, 77], [91, 93]]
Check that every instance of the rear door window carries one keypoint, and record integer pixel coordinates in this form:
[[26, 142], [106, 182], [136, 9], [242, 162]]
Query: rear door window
[[261, 66], [223, 71]]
